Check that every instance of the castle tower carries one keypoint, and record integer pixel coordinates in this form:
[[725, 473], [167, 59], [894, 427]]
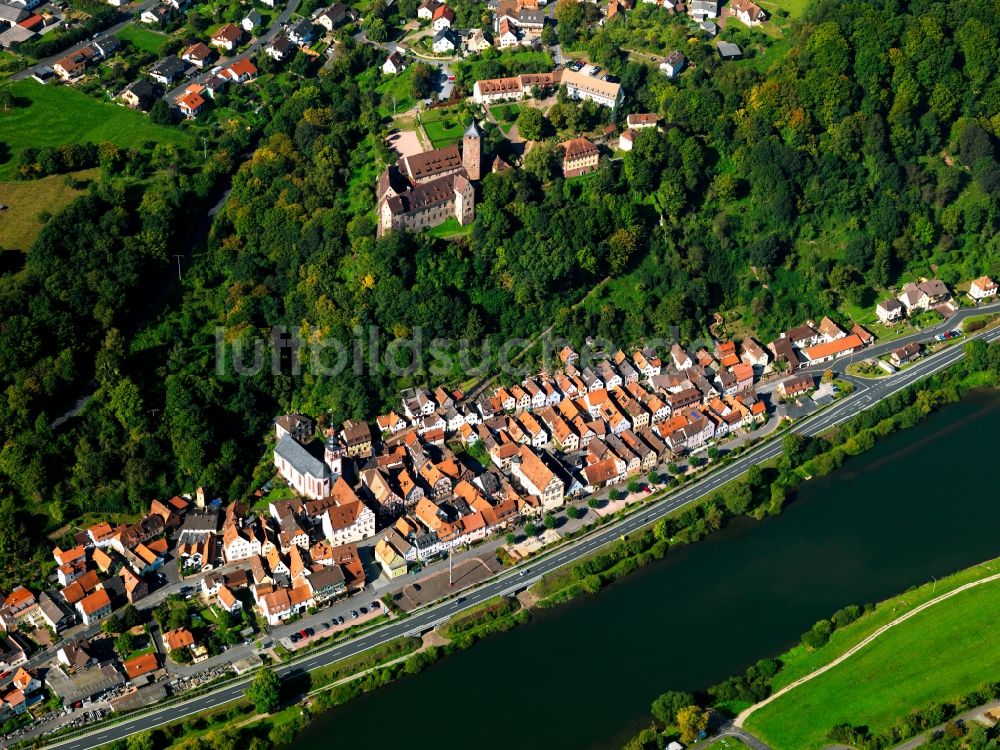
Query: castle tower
[[472, 151]]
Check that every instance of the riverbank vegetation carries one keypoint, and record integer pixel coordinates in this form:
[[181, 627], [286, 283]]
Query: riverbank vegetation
[[916, 675]]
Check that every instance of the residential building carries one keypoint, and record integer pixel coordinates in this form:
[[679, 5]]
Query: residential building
[[747, 12], [332, 17], [394, 64], [198, 54], [297, 426], [673, 64], [94, 607], [442, 18], [795, 385], [702, 10], [580, 86], [889, 311], [905, 353], [241, 71], [190, 103], [924, 295], [139, 94], [537, 478], [392, 561], [74, 64], [157, 15], [580, 156], [444, 41], [830, 350], [228, 37], [167, 70], [251, 21], [982, 288], [348, 522], [279, 47]]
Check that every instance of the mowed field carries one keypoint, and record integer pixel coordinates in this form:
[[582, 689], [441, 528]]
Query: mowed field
[[444, 126], [936, 656], [25, 200], [143, 38], [55, 115]]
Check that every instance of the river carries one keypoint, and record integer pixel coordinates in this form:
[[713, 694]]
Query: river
[[583, 675]]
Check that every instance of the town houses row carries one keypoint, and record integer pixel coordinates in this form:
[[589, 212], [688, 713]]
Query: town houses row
[[444, 471]]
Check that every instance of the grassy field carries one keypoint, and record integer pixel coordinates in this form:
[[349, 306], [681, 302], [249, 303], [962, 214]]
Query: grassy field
[[726, 743], [506, 115], [397, 86], [19, 223], [444, 126], [794, 8], [8, 63], [939, 654], [449, 228], [57, 114], [147, 40]]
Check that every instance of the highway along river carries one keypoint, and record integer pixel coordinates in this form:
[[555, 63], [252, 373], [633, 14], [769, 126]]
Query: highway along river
[[920, 504]]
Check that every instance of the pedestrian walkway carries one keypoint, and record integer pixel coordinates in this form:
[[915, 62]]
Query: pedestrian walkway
[[745, 714]]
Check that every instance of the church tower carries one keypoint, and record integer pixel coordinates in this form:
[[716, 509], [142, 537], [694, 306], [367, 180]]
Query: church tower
[[472, 151], [333, 455]]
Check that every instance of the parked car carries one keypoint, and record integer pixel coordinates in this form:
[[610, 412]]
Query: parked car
[[354, 614], [364, 610], [340, 620], [294, 637]]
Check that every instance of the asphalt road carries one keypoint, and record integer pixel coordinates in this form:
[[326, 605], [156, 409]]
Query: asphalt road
[[259, 43], [866, 394], [129, 13]]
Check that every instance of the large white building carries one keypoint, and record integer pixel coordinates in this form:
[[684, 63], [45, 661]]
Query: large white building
[[348, 522], [578, 86]]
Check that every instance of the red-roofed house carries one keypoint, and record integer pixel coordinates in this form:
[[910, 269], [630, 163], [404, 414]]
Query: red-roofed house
[[190, 104], [241, 71], [228, 37]]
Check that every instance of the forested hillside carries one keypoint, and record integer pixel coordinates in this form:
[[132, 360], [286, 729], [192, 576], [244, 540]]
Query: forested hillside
[[864, 155]]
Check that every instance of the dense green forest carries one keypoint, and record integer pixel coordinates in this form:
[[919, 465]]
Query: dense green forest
[[863, 155]]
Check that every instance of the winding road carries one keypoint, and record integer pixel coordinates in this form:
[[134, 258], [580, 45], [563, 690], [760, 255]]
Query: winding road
[[866, 394]]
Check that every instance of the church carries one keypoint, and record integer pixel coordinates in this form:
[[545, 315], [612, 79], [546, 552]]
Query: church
[[425, 190]]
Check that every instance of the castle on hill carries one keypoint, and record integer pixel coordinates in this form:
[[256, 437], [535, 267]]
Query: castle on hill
[[425, 190]]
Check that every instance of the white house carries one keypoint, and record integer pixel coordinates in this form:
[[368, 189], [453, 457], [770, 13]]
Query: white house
[[444, 41], [442, 18], [580, 86], [394, 64], [349, 522], [673, 64], [889, 311], [983, 288], [251, 21], [702, 10], [238, 544]]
